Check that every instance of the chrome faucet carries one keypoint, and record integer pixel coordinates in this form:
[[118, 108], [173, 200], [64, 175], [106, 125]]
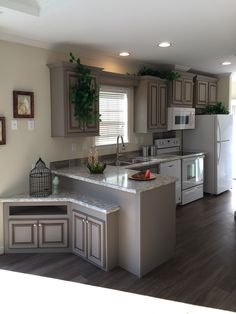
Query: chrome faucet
[[118, 153]]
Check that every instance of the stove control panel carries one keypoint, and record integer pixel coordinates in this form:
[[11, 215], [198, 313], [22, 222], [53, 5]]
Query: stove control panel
[[167, 143]]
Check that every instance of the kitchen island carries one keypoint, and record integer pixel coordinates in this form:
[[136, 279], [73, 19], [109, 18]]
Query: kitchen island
[[146, 216]]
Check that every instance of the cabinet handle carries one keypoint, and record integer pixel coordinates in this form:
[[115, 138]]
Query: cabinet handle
[[34, 225], [40, 225], [83, 220], [86, 221]]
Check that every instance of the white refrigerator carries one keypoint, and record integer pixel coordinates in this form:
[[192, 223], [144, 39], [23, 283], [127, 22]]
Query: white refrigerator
[[213, 135]]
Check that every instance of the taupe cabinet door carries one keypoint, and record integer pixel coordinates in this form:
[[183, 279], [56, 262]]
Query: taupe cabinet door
[[23, 234], [205, 91], [88, 238], [96, 241], [79, 242], [182, 92], [53, 233]]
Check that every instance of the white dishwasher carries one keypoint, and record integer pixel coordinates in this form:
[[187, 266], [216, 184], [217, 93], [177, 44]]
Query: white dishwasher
[[173, 169]]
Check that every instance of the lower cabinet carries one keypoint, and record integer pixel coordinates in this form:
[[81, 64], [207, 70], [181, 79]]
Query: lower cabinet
[[51, 233], [88, 238]]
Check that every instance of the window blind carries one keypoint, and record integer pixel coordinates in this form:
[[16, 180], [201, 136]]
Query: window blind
[[113, 107]]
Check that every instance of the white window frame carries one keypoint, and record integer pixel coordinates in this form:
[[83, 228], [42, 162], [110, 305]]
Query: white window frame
[[130, 95]]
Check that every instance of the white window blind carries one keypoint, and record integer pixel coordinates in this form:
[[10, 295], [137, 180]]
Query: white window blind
[[113, 106]]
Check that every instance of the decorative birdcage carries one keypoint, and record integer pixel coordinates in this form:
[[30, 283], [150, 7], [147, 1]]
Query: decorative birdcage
[[40, 180]]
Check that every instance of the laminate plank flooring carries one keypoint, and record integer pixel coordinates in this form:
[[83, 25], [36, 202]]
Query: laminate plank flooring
[[202, 271]]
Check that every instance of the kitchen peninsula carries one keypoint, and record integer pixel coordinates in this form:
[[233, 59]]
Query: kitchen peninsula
[[146, 216]]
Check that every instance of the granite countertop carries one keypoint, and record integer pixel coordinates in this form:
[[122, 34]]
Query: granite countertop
[[114, 177], [73, 197]]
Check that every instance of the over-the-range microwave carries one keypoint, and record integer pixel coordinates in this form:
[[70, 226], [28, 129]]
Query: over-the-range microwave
[[181, 118]]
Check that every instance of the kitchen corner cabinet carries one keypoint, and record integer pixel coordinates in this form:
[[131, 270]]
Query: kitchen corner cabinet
[[95, 236], [150, 105], [63, 124], [205, 91], [181, 90]]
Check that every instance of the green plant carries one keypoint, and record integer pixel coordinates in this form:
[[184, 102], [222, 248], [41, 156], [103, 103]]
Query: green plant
[[97, 167], [167, 75], [84, 94], [218, 108]]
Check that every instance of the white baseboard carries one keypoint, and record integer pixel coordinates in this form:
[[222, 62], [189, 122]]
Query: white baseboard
[[1, 250]]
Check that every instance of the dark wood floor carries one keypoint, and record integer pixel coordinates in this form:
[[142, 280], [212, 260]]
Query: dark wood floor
[[202, 272]]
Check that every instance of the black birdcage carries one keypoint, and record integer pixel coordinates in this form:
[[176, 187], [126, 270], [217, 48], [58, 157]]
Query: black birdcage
[[40, 180]]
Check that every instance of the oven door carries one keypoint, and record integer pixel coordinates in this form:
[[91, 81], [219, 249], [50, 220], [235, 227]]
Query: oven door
[[192, 172]]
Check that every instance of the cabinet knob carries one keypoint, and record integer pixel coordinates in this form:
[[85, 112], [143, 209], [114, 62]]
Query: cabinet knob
[[34, 225], [40, 225], [86, 221], [83, 220]]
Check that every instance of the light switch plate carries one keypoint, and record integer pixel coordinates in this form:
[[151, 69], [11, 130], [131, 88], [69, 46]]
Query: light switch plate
[[31, 125], [14, 125]]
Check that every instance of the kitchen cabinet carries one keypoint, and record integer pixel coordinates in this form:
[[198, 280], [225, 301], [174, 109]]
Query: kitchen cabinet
[[88, 238], [36, 227], [180, 91], [205, 91], [95, 236], [38, 233], [150, 105], [63, 124]]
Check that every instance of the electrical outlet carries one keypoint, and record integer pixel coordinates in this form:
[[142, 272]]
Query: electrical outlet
[[31, 125], [14, 125]]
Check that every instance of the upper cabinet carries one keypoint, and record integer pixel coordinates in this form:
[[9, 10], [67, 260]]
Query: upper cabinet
[[150, 104], [205, 91], [62, 78], [181, 90]]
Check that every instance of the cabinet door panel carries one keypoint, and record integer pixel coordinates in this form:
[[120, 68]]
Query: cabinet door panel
[[153, 103], [96, 241], [188, 92], [212, 93], [53, 233], [202, 93], [177, 92], [23, 234], [73, 125], [79, 242], [163, 106]]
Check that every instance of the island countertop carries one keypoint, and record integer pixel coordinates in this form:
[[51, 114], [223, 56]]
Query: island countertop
[[115, 178]]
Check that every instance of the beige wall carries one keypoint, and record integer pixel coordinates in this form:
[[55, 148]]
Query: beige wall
[[24, 68], [224, 88]]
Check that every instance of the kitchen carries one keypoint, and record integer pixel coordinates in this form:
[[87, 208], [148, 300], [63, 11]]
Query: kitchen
[[38, 142]]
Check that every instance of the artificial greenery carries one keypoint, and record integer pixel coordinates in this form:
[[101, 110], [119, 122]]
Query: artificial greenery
[[218, 108], [97, 167], [167, 75], [84, 94]]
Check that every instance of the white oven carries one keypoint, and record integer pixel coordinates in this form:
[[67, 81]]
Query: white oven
[[181, 118], [192, 178]]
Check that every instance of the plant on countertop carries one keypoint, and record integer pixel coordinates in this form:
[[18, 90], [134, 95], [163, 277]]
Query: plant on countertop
[[84, 94], [167, 75], [94, 165], [218, 108]]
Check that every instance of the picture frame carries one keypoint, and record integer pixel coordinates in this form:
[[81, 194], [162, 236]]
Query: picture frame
[[2, 131], [23, 104]]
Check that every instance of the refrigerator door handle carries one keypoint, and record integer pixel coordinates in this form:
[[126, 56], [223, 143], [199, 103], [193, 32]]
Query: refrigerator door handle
[[218, 159], [218, 124]]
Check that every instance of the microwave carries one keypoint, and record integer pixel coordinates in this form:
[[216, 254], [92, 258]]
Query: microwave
[[181, 118]]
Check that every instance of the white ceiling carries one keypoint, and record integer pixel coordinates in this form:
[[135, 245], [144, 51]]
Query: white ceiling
[[203, 32]]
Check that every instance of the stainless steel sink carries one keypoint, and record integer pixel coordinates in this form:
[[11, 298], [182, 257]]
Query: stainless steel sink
[[121, 163]]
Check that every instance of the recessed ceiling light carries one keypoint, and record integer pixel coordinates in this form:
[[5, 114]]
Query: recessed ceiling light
[[226, 63], [164, 44], [124, 54]]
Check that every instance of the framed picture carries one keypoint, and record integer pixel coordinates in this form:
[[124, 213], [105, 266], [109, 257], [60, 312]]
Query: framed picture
[[2, 131], [23, 104]]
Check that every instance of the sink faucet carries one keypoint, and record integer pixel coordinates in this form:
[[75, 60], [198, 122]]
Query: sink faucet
[[118, 153]]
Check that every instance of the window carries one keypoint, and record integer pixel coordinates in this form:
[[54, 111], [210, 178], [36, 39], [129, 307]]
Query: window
[[113, 104]]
